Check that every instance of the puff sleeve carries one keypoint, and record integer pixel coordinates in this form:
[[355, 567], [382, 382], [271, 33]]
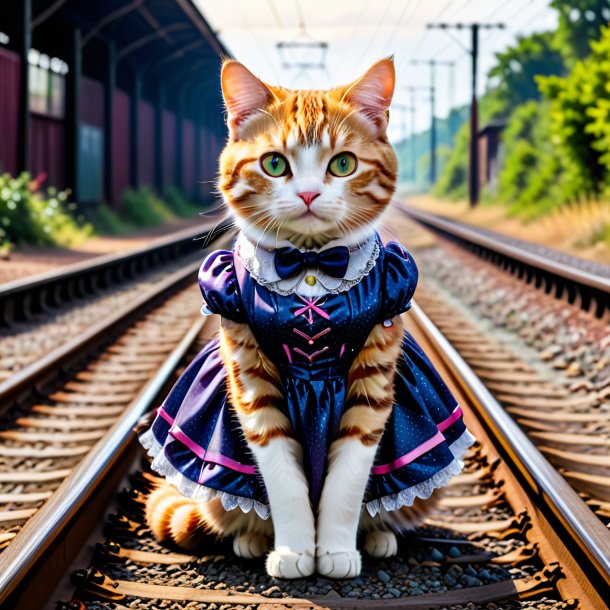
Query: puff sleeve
[[400, 281], [219, 287]]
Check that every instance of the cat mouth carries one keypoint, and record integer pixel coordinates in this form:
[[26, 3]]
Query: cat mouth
[[309, 213]]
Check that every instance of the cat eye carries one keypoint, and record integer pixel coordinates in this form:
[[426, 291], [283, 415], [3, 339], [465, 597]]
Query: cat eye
[[343, 164], [275, 165]]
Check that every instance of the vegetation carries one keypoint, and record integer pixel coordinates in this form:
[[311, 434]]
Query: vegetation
[[28, 216], [552, 89]]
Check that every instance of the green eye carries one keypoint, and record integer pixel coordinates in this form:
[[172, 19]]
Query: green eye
[[275, 165], [344, 164]]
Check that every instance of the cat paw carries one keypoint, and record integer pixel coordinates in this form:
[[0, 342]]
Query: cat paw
[[345, 564], [381, 544], [284, 563], [249, 545]]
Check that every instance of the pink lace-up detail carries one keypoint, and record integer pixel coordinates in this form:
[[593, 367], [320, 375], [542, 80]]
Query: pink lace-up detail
[[307, 312], [309, 308], [311, 340], [309, 357]]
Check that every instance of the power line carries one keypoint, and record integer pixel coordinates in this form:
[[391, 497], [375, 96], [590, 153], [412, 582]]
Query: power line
[[300, 14], [381, 22], [275, 13], [398, 23], [256, 42], [461, 8], [351, 40]]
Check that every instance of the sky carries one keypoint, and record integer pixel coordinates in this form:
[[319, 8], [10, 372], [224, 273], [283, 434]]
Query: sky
[[359, 32]]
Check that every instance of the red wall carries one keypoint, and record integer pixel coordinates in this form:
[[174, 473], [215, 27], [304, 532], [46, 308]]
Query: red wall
[[120, 145], [146, 143], [169, 147], [47, 146], [9, 110], [209, 162], [188, 157], [92, 102]]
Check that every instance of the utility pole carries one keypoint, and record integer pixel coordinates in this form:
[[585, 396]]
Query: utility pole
[[474, 28], [432, 63], [413, 90], [403, 130]]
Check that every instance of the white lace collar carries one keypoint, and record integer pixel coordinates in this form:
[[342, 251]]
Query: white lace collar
[[260, 264]]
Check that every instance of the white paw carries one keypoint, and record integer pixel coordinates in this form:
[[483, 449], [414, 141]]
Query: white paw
[[381, 544], [345, 564], [249, 545], [284, 563]]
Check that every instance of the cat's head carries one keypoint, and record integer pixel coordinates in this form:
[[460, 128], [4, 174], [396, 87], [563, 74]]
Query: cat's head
[[307, 166]]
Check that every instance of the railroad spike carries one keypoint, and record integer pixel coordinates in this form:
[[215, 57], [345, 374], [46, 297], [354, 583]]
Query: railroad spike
[[540, 583], [94, 582]]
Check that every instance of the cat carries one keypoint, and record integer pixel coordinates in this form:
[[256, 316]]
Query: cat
[[306, 176]]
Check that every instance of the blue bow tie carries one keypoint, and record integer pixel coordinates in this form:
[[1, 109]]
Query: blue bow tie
[[290, 261]]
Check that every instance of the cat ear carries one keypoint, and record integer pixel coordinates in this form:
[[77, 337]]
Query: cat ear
[[244, 94], [373, 92]]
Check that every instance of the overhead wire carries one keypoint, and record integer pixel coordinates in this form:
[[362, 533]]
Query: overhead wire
[[300, 15], [275, 13], [381, 22], [351, 40], [256, 41], [396, 26]]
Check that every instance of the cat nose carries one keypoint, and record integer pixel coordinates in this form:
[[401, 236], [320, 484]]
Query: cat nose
[[308, 197]]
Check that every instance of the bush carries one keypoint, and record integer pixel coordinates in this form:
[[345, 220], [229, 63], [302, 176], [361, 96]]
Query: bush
[[580, 110], [107, 222], [179, 203], [453, 182], [27, 216], [143, 209]]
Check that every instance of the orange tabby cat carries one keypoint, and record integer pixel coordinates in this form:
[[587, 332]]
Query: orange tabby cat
[[306, 176]]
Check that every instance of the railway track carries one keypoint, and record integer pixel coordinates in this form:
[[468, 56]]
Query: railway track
[[509, 533], [579, 282], [40, 314], [542, 353], [66, 411]]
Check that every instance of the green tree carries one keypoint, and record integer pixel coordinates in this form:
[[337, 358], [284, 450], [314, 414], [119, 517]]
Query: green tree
[[579, 115], [536, 175], [517, 68], [580, 22], [454, 177]]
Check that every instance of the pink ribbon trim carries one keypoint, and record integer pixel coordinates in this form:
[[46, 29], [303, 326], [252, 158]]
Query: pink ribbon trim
[[200, 452], [437, 439], [185, 440], [407, 458], [223, 460], [457, 413], [165, 415]]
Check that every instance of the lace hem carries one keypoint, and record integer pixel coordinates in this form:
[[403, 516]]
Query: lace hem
[[259, 267], [406, 497], [424, 490], [194, 490]]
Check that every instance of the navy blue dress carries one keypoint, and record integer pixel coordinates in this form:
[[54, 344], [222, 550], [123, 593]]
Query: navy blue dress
[[196, 441]]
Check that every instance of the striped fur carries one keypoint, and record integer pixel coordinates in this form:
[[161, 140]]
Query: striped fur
[[308, 128]]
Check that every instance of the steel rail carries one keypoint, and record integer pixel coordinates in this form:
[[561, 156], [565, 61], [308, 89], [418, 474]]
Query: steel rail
[[596, 286], [33, 377], [47, 524], [37, 293], [546, 485]]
